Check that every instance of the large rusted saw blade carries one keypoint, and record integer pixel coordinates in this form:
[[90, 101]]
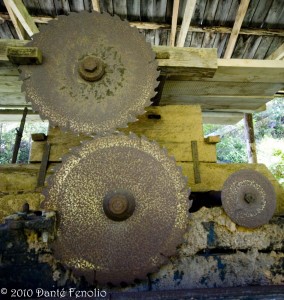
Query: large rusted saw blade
[[248, 198], [123, 207], [98, 73]]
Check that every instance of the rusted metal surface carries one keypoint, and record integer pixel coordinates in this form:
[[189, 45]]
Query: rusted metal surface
[[248, 198], [84, 98], [107, 168]]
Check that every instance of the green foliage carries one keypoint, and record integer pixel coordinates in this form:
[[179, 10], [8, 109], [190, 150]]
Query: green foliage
[[277, 168], [8, 133], [271, 121], [269, 136], [231, 149]]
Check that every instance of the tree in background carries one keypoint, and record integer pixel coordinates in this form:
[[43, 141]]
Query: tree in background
[[8, 136], [269, 136]]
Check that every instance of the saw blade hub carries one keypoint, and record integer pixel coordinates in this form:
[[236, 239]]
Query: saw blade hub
[[249, 198], [91, 68], [119, 205]]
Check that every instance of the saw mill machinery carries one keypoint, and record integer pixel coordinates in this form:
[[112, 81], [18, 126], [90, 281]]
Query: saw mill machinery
[[122, 203]]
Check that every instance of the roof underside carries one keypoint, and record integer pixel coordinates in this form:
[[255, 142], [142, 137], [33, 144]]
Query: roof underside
[[213, 23]]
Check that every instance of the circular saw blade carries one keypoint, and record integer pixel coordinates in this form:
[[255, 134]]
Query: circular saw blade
[[60, 94], [99, 247], [248, 198]]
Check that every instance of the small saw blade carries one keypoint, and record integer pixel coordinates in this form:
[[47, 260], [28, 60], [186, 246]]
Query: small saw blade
[[248, 198]]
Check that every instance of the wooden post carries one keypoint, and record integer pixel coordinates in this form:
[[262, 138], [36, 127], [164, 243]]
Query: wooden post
[[249, 136], [19, 136]]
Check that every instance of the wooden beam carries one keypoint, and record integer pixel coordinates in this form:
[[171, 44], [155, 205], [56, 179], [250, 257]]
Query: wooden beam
[[188, 13], [96, 5], [17, 25], [174, 23], [23, 16], [187, 61], [236, 28], [153, 26], [249, 137], [277, 54]]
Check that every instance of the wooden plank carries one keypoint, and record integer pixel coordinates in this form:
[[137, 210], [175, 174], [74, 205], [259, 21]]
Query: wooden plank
[[250, 13], [198, 16], [181, 151], [249, 137], [236, 28], [188, 13], [133, 10], [250, 51], [221, 117], [191, 62], [249, 70], [17, 25], [9, 86], [184, 120], [276, 43], [277, 54], [24, 55], [96, 5], [159, 8], [263, 46], [12, 99], [120, 8], [5, 43], [153, 26], [240, 46], [210, 12], [217, 103], [187, 61], [217, 88], [23, 16], [174, 23], [196, 40], [274, 14], [222, 12], [260, 13], [47, 7], [76, 5]]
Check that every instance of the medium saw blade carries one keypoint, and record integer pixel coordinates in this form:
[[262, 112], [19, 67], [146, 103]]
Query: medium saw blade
[[248, 198], [98, 73], [123, 208]]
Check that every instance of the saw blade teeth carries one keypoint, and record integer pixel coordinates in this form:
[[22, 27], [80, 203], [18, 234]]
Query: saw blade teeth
[[56, 25]]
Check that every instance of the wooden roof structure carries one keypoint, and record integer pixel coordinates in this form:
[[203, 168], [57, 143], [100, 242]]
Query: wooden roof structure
[[227, 55]]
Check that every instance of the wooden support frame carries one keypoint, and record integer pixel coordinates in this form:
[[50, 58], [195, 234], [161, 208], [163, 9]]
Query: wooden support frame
[[277, 54], [18, 26], [174, 23], [236, 28], [187, 16], [153, 26], [96, 5], [250, 140], [17, 8]]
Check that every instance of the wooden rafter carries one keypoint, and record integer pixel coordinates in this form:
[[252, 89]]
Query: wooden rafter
[[236, 28], [154, 26], [278, 53], [18, 27], [96, 5], [188, 13], [174, 23], [19, 10]]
